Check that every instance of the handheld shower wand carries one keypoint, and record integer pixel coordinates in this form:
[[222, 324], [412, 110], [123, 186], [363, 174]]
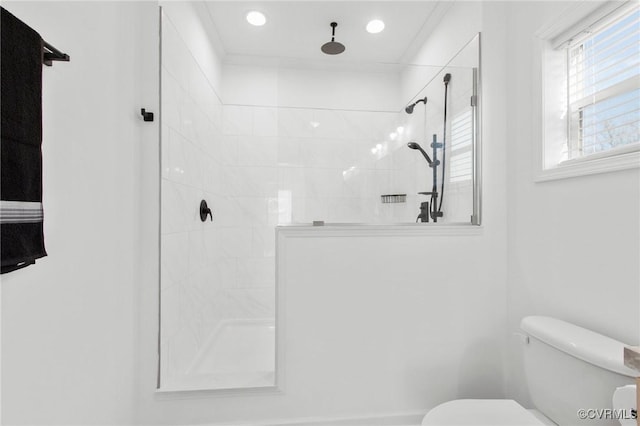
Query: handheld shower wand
[[415, 145], [446, 80], [433, 212]]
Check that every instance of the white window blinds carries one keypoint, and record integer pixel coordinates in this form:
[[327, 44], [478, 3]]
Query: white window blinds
[[461, 143], [604, 86]]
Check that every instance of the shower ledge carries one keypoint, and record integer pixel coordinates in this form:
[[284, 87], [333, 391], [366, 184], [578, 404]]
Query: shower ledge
[[404, 230]]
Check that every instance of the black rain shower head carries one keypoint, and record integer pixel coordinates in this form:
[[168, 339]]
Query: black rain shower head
[[333, 47], [409, 108], [415, 145]]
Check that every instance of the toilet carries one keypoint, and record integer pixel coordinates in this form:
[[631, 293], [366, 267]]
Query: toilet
[[567, 368]]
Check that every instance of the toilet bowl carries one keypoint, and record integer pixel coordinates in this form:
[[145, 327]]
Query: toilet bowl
[[567, 368], [484, 412]]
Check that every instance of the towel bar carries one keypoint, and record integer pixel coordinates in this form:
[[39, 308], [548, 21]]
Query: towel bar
[[53, 54]]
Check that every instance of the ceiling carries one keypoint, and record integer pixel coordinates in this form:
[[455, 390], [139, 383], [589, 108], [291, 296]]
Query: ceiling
[[296, 29]]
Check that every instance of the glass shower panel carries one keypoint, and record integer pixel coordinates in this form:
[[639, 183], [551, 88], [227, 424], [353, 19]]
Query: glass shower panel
[[217, 295], [332, 165], [354, 166], [456, 155]]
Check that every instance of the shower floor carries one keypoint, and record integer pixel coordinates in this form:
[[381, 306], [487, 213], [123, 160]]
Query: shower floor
[[238, 354]]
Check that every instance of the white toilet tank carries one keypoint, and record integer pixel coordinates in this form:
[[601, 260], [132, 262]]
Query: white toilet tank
[[569, 368]]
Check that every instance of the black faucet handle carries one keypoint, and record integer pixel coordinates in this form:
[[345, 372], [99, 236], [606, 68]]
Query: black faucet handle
[[205, 211]]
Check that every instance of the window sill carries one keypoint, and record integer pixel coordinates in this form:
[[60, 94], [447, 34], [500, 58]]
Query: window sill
[[590, 166]]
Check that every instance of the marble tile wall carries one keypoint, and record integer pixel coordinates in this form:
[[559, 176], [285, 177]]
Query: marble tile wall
[[297, 165], [217, 271]]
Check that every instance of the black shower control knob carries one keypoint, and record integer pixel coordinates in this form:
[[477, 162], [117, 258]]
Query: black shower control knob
[[205, 211]]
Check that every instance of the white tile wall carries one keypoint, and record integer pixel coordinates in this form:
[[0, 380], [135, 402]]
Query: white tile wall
[[214, 271], [325, 160]]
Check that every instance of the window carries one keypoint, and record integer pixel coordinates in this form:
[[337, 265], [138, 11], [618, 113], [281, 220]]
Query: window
[[590, 91], [461, 142], [604, 87]]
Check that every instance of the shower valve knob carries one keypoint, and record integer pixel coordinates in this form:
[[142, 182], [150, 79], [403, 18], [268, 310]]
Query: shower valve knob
[[205, 211]]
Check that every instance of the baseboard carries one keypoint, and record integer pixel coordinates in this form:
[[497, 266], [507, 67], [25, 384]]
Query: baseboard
[[410, 418]]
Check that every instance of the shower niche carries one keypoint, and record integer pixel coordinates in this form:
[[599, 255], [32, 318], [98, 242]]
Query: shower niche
[[263, 166]]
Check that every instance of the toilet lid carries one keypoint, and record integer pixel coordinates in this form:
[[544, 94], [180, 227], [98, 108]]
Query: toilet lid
[[480, 412]]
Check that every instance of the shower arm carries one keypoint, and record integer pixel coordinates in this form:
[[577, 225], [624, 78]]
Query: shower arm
[[409, 108]]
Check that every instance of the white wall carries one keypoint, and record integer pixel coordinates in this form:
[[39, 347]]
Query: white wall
[[311, 88], [443, 44], [191, 20], [574, 243], [68, 350]]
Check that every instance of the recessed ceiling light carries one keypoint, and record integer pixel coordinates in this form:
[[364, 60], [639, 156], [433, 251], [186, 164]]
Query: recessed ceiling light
[[375, 26], [256, 18]]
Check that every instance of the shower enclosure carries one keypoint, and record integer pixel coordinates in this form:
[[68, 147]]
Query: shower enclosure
[[263, 166]]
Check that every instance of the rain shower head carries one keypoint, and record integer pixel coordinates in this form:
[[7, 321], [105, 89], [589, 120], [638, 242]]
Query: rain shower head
[[409, 108], [333, 47], [415, 145]]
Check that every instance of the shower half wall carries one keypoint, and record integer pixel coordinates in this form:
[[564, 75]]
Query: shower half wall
[[286, 147]]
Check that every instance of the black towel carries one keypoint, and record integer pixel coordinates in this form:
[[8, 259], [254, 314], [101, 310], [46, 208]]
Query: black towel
[[22, 237]]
